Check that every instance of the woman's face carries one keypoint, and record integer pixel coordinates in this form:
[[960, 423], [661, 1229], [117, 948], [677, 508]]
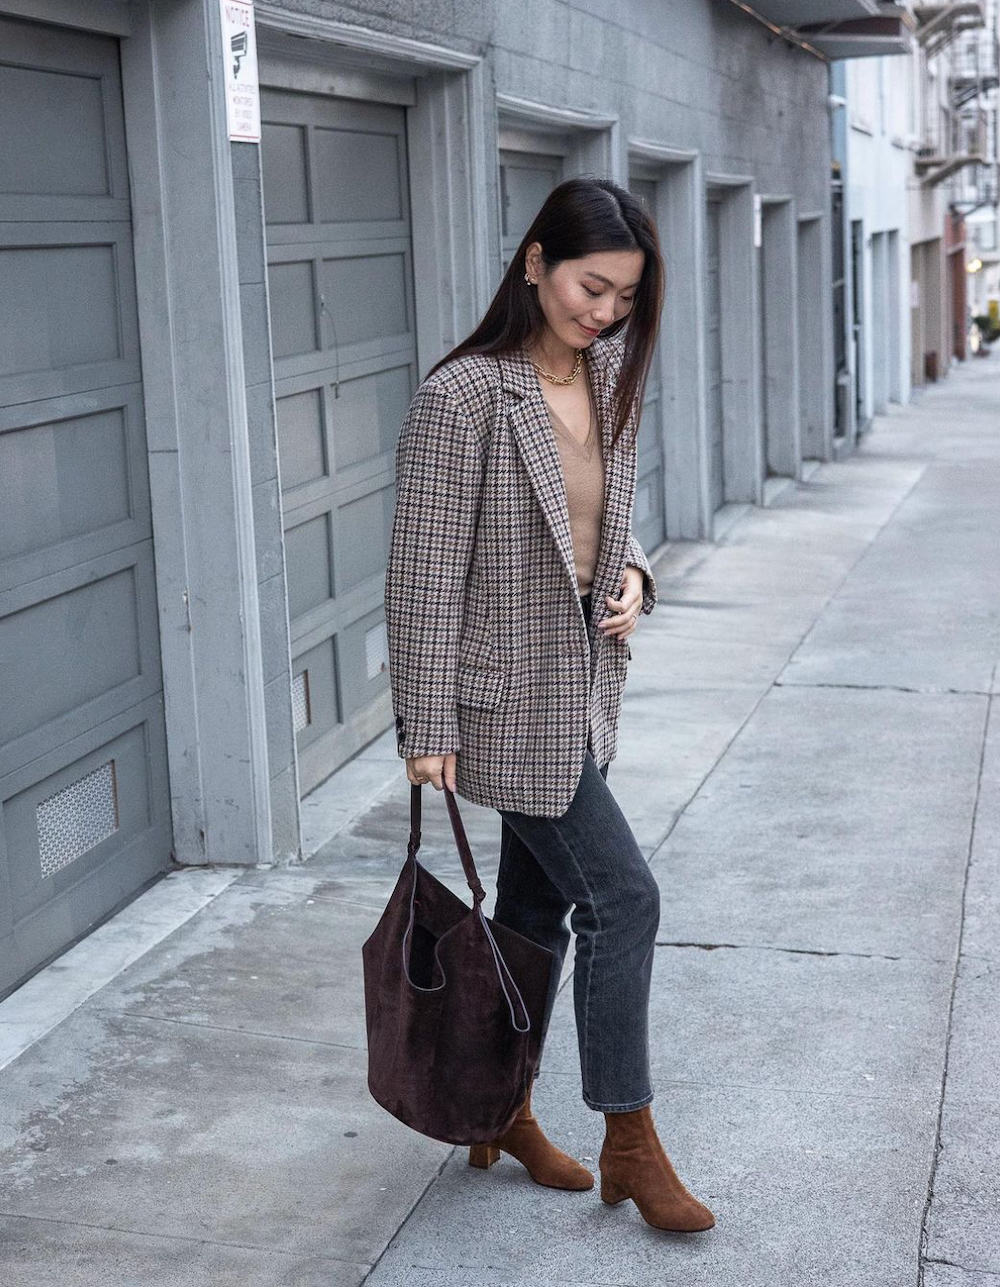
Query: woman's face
[[581, 297]]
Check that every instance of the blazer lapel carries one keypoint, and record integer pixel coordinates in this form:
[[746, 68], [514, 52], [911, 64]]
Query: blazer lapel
[[529, 422], [614, 522]]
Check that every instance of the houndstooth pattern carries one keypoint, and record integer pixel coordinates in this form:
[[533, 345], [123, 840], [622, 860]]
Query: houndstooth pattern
[[489, 652]]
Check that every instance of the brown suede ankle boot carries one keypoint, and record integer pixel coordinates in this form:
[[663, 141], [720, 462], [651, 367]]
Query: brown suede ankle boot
[[545, 1163], [634, 1165]]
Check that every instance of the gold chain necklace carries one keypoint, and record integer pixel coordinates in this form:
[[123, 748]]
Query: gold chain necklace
[[561, 379]]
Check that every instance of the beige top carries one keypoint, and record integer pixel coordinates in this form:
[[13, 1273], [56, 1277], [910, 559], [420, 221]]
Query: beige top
[[583, 475]]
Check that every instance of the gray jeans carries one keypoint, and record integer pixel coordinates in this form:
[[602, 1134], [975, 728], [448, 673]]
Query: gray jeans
[[586, 865]]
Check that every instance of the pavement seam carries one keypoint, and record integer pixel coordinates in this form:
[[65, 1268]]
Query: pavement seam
[[928, 1202], [406, 1219], [221, 1027], [176, 1237]]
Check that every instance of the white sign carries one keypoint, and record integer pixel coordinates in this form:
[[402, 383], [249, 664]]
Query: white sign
[[239, 53]]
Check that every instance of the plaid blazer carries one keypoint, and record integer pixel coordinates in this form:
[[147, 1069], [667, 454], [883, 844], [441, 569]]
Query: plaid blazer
[[489, 651]]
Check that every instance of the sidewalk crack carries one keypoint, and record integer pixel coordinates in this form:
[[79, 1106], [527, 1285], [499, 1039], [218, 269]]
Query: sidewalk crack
[[769, 947], [966, 1269], [885, 688], [938, 1143]]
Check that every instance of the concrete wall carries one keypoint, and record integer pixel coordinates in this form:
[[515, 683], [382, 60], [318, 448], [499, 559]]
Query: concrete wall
[[691, 73]]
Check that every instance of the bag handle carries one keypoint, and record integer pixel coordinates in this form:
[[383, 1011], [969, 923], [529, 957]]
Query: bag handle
[[461, 839], [520, 1022]]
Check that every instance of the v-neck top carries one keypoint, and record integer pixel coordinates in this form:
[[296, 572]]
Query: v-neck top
[[583, 476]]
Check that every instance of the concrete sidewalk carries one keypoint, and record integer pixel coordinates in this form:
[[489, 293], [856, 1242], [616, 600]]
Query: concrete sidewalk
[[810, 761]]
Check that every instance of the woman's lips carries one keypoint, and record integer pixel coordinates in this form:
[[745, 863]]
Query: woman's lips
[[589, 330]]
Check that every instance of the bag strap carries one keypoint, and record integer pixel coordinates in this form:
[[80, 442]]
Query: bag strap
[[461, 840], [519, 1017]]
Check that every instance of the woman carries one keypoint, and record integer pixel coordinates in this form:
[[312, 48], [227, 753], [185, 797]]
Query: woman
[[512, 588]]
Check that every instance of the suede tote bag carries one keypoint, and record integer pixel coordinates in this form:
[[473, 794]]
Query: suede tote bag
[[453, 1003]]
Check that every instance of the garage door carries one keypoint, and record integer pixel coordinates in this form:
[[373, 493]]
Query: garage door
[[84, 808], [336, 206], [649, 519], [713, 355], [526, 179]]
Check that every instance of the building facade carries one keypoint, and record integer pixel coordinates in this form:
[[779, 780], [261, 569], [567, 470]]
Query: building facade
[[954, 173], [877, 110], [915, 195], [209, 345], [979, 197]]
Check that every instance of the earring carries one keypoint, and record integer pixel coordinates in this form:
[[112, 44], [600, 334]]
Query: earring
[[528, 280]]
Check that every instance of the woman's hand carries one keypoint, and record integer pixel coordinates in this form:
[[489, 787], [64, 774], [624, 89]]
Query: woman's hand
[[626, 609], [433, 768]]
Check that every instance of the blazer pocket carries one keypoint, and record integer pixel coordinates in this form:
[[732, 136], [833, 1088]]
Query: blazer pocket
[[478, 687]]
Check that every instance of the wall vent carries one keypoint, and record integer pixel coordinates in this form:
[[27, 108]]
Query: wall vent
[[301, 707], [75, 819]]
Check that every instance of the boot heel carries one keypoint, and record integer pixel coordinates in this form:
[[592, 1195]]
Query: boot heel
[[612, 1193], [483, 1155]]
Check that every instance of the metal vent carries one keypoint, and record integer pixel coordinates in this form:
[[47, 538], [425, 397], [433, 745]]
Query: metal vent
[[77, 818], [301, 709], [376, 650]]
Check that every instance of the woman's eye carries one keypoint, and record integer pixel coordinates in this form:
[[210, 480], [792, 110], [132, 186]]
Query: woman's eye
[[592, 293]]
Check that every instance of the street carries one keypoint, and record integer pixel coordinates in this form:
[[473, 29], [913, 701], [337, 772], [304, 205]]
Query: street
[[810, 757]]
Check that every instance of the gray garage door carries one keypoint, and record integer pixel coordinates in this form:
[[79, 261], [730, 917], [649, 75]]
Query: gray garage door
[[649, 520], [713, 355], [526, 179], [84, 810], [342, 322]]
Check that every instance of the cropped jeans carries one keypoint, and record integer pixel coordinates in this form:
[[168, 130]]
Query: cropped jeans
[[587, 865]]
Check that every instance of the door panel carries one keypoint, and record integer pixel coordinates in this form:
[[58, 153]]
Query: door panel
[[526, 179], [84, 800], [340, 277]]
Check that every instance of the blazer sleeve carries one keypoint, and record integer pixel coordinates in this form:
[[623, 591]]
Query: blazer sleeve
[[636, 558], [636, 555], [439, 479]]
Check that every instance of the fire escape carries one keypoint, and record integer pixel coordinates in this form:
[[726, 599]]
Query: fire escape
[[959, 128]]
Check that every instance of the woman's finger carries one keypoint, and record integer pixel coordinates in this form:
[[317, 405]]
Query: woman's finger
[[626, 617]]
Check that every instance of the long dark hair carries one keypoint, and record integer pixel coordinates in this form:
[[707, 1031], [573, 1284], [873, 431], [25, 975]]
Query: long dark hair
[[581, 217]]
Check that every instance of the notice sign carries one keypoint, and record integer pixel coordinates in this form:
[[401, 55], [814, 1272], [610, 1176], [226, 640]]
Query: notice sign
[[239, 53]]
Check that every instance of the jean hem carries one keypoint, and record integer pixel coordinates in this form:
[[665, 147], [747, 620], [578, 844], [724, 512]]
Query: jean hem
[[619, 1108]]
